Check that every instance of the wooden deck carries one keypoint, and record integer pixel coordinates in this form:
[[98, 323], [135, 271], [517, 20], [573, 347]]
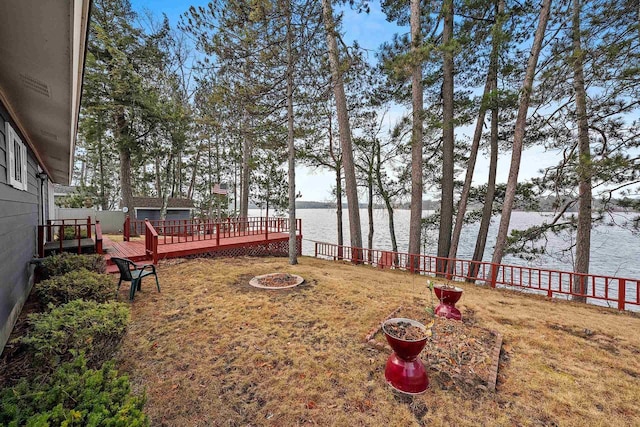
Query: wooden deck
[[86, 246], [251, 244]]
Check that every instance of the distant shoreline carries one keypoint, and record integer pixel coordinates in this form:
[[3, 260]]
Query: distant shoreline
[[430, 206]]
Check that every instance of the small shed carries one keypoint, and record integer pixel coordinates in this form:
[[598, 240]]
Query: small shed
[[149, 207]]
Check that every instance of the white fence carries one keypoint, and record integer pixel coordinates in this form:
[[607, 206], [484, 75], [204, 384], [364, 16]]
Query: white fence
[[110, 221]]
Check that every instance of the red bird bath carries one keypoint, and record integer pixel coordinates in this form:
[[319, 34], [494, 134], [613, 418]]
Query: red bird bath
[[405, 371], [448, 296]]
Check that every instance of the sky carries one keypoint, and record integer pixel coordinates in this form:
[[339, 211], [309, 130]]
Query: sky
[[370, 30]]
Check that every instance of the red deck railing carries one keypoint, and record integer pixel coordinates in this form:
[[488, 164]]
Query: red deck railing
[[151, 241], [623, 293], [192, 230], [54, 230]]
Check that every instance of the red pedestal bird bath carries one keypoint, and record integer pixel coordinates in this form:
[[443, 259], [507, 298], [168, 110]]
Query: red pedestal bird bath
[[404, 370], [448, 297]]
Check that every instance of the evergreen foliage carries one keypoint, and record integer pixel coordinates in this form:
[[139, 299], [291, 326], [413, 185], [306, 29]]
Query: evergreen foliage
[[78, 284], [78, 326], [73, 395], [64, 263]]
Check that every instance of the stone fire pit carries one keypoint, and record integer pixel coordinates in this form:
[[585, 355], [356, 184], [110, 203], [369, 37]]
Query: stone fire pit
[[276, 281]]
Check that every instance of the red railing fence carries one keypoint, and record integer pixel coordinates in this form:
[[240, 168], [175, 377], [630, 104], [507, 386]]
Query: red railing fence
[[57, 230], [622, 293], [151, 241], [191, 230]]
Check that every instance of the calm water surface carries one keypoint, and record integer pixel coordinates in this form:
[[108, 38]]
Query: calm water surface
[[614, 251]]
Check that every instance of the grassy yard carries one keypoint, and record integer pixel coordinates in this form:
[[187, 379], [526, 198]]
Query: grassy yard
[[211, 350]]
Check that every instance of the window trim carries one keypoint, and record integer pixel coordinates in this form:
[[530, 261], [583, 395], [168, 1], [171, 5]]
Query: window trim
[[12, 141]]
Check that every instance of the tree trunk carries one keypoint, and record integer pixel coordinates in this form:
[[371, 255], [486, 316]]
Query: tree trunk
[[179, 173], [339, 210], [387, 200], [583, 232], [415, 221], [446, 183], [487, 209], [337, 163], [370, 213], [165, 189], [291, 148], [158, 176], [518, 138], [103, 197], [192, 181], [244, 174], [344, 130], [121, 135], [125, 180], [235, 188], [490, 84], [209, 180], [83, 172], [174, 174]]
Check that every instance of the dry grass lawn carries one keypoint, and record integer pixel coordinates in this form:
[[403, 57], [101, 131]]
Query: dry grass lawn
[[211, 350]]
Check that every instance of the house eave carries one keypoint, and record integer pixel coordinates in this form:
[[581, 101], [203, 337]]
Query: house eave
[[42, 54]]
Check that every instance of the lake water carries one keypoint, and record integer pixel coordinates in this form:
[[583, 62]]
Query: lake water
[[614, 251]]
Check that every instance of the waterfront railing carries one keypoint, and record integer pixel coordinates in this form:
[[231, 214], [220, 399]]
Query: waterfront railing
[[619, 292]]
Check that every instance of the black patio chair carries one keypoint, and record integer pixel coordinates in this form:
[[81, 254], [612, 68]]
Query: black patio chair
[[130, 272]]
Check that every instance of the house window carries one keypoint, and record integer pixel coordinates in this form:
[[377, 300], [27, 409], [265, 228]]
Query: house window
[[17, 160]]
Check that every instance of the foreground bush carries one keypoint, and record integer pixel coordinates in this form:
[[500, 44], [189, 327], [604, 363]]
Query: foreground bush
[[73, 396], [57, 265], [82, 326], [79, 284]]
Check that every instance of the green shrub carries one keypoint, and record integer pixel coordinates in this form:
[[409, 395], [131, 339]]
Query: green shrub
[[93, 328], [70, 233], [73, 396], [80, 284], [64, 263]]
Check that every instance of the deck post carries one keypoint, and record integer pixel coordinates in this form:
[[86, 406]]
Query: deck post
[[316, 249], [88, 227], [49, 231], [98, 237], [126, 229], [266, 229], [217, 234], [622, 293]]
